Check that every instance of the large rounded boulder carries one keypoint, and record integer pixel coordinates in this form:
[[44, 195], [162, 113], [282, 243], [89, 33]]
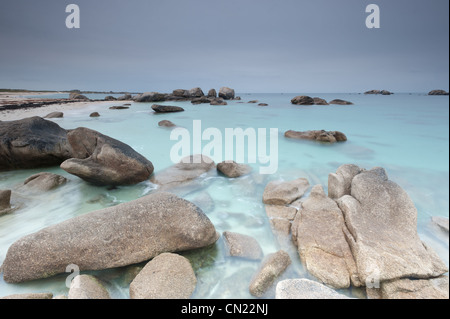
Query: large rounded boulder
[[113, 237]]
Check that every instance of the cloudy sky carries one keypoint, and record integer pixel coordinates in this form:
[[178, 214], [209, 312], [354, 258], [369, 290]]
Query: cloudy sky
[[293, 46]]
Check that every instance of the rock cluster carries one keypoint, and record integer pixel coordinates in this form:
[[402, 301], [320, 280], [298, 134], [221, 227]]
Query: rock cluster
[[307, 100], [438, 92], [382, 92], [364, 233], [195, 95]]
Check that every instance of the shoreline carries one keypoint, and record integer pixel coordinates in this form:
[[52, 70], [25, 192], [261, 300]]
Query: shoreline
[[37, 107]]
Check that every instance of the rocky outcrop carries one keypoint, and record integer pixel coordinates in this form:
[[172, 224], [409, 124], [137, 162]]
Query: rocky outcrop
[[44, 182], [183, 173], [382, 92], [201, 100], [272, 267], [125, 97], [340, 102], [196, 92], [305, 289], [226, 93], [319, 136], [87, 287], [94, 114], [321, 243], [31, 143], [280, 218], [113, 237], [167, 276], [382, 231], [436, 288], [232, 169], [302, 100], [438, 92], [284, 192], [102, 160], [243, 246], [166, 123], [54, 115], [110, 98], [166, 108], [180, 93]]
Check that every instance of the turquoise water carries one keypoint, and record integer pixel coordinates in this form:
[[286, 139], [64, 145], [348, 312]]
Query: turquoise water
[[406, 134]]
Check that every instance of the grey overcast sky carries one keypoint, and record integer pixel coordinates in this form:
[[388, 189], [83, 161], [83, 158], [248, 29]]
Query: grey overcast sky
[[251, 45]]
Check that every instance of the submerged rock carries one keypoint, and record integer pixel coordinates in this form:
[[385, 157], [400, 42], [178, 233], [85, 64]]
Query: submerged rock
[[305, 289], [166, 108], [166, 123], [442, 222], [239, 245], [319, 136], [94, 114], [119, 107], [272, 267], [102, 160], [113, 237], [167, 276], [218, 102], [233, 169], [340, 102], [284, 193], [87, 287], [44, 182], [321, 242], [32, 142], [183, 173], [54, 115]]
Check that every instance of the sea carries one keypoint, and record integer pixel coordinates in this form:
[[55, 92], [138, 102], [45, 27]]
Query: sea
[[405, 133]]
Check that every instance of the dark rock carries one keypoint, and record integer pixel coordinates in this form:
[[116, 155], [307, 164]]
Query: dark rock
[[119, 107], [94, 114], [212, 93], [319, 101], [110, 98], [253, 101], [196, 92], [117, 236], [166, 108], [126, 97], [226, 93], [302, 100], [150, 97], [102, 160], [5, 201], [201, 100], [77, 96], [31, 143], [180, 93], [263, 104], [438, 92], [166, 123]]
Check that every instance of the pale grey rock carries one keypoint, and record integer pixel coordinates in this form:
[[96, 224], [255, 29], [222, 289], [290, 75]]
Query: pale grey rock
[[284, 192], [87, 287], [305, 289], [239, 245]]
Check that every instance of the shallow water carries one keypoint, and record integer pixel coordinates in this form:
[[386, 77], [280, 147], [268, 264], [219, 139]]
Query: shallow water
[[406, 134]]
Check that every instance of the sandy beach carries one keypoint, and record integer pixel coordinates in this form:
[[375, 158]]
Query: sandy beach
[[17, 114]]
